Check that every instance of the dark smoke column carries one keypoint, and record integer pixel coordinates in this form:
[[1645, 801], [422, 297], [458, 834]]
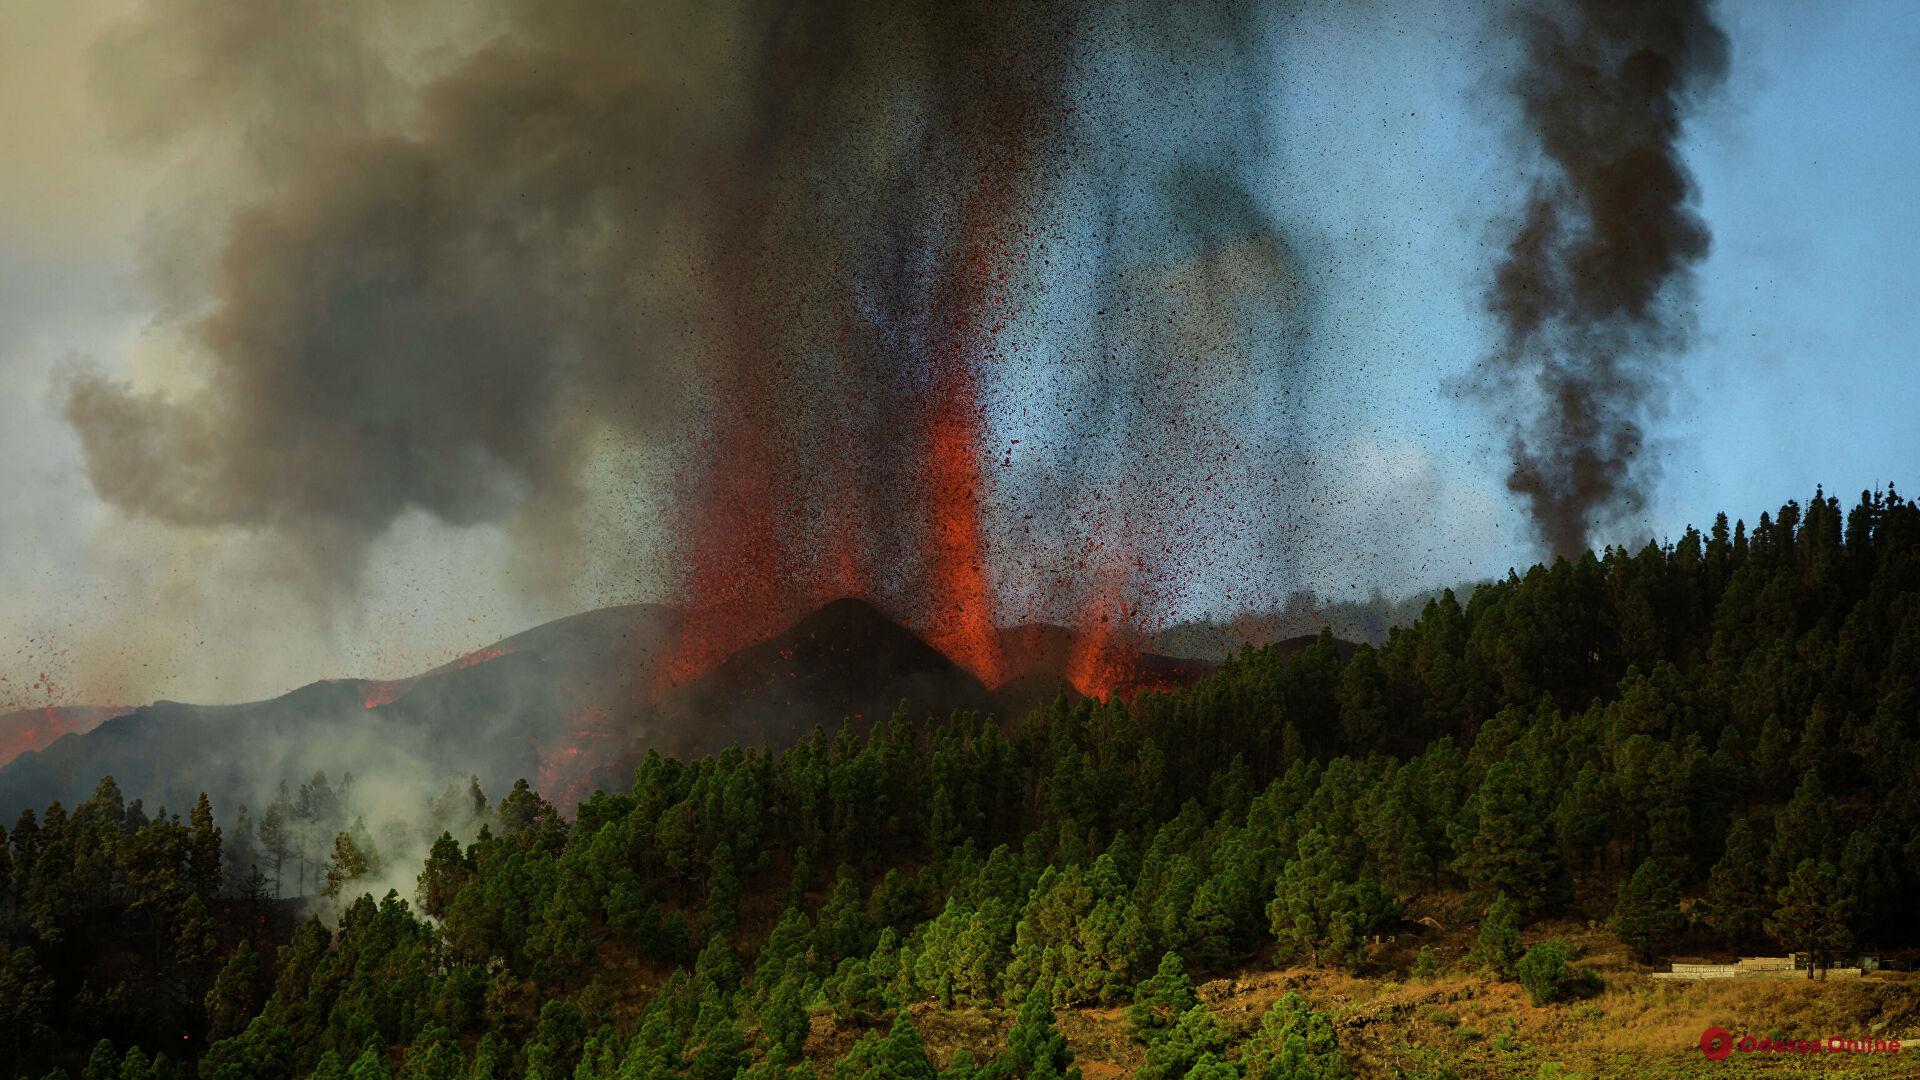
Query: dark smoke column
[[1588, 287]]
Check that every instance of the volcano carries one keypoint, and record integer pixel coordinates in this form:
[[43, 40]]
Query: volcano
[[846, 662], [571, 704]]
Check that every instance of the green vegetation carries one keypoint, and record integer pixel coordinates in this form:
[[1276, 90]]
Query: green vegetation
[[1547, 976], [1726, 725]]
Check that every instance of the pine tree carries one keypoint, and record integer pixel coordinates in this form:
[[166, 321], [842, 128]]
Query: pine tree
[[1507, 848], [1193, 1040], [230, 1003], [1294, 1043], [899, 1054], [1803, 830], [1160, 1000], [1813, 914], [1426, 965], [1648, 916], [203, 851], [353, 858], [103, 1063], [1323, 907], [370, 1065], [1499, 947], [1738, 901], [1547, 974], [446, 870], [1035, 1047], [276, 836], [521, 809], [783, 1019]]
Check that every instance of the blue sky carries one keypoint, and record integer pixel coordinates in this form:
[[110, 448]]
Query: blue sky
[[1388, 170]]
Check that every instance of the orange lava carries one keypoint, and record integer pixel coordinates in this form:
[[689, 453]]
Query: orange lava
[[36, 729], [567, 769], [961, 620], [477, 656], [1097, 667], [962, 612], [375, 694]]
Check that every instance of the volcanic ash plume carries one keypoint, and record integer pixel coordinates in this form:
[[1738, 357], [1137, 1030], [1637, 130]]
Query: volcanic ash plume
[[793, 245], [1588, 290]]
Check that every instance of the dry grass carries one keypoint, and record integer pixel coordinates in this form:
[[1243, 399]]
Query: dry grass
[[1468, 1028]]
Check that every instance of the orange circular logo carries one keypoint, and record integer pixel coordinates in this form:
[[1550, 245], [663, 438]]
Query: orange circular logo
[[1716, 1043]]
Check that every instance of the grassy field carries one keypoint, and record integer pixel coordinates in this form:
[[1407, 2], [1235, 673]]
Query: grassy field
[[1467, 1027]]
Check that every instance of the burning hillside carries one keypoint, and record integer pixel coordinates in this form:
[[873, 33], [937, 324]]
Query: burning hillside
[[33, 729]]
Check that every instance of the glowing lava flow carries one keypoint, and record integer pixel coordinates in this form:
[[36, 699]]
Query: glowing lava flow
[[977, 309], [567, 769], [963, 607]]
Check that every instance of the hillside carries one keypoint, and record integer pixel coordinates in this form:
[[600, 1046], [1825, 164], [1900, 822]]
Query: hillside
[[33, 729], [507, 710], [847, 661], [1459, 854]]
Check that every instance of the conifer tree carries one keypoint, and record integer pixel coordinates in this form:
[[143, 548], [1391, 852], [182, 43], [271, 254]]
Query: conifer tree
[[1194, 1041], [1499, 946], [1505, 846], [230, 1003], [1803, 830], [1322, 907], [1813, 913], [354, 857], [276, 836], [1036, 1050], [446, 870], [203, 851], [1648, 916], [1294, 1043], [1160, 1000], [370, 1065], [1738, 901]]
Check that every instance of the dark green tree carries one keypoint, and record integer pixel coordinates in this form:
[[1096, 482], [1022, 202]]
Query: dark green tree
[[1323, 907], [898, 1054], [1505, 846], [1803, 830], [1160, 999], [203, 851], [1738, 900], [1547, 975], [1499, 946], [1814, 914], [446, 870], [1194, 1041], [1036, 1050], [1294, 1043], [230, 1004], [1647, 916]]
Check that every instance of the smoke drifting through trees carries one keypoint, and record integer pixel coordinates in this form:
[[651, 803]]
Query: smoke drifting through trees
[[1587, 290]]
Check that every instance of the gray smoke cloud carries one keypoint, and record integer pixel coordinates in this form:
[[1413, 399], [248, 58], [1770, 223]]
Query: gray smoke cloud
[[434, 262], [1589, 292], [429, 297], [458, 251]]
